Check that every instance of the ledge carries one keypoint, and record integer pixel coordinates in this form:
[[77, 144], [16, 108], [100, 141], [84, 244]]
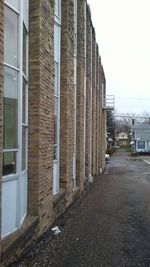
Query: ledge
[[16, 241], [59, 197], [76, 193]]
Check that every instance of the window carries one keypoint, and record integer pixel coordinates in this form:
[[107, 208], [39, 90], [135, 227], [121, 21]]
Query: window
[[57, 48], [13, 3], [15, 130], [141, 144], [10, 108], [10, 37]]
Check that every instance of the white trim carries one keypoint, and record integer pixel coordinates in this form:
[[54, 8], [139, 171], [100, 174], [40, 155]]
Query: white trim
[[9, 233], [11, 66], [10, 150], [12, 8], [56, 162]]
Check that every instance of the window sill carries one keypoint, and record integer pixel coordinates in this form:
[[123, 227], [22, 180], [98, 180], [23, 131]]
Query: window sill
[[59, 197], [15, 243]]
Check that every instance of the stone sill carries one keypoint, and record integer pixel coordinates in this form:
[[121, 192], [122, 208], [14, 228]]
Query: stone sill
[[76, 192], [59, 197], [11, 243]]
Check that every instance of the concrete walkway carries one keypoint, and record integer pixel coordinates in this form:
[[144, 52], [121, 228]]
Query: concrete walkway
[[109, 227]]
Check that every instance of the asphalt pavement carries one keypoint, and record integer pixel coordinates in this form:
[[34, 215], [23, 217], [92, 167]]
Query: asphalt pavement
[[110, 226]]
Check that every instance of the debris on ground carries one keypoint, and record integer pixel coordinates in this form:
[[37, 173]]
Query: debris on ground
[[56, 230]]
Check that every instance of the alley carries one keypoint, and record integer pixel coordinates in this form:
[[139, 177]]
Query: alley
[[110, 226]]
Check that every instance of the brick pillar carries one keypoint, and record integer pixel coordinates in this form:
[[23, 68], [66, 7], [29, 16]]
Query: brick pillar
[[93, 104], [97, 111], [100, 164], [103, 115], [102, 119], [1, 104], [99, 103], [41, 114], [66, 98], [88, 92], [80, 92]]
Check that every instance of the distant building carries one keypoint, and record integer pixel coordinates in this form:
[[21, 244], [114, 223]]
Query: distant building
[[122, 139], [141, 137]]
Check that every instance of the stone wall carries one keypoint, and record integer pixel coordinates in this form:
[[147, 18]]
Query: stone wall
[[41, 113], [93, 103], [80, 170], [66, 99], [88, 92]]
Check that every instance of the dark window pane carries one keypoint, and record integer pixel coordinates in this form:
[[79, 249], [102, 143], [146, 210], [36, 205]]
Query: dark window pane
[[10, 109], [9, 163]]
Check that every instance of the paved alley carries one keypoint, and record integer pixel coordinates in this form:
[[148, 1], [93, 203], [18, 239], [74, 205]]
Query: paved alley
[[109, 227]]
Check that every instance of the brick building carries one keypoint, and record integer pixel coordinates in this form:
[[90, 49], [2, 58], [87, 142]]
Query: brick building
[[52, 124]]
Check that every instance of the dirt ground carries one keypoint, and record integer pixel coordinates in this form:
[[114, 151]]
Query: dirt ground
[[109, 227]]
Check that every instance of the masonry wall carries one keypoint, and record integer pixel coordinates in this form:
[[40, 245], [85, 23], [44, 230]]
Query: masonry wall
[[93, 103], [41, 113], [43, 207], [80, 167], [88, 93], [97, 111], [66, 99], [1, 103], [102, 119]]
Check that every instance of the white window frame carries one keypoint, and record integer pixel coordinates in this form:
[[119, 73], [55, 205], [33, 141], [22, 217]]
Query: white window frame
[[56, 175], [18, 150]]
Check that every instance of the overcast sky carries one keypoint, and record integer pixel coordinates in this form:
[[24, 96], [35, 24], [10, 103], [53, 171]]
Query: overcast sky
[[123, 34]]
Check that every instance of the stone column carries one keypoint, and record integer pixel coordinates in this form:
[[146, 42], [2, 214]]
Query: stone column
[[66, 99], [80, 92], [41, 113]]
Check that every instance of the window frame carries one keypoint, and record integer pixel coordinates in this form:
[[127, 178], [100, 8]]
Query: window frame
[[18, 176]]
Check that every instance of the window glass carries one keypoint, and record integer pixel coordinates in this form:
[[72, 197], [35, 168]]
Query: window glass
[[55, 120], [56, 79], [56, 42], [10, 37], [24, 50], [9, 163], [141, 144], [10, 109], [24, 102], [24, 148], [13, 3]]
